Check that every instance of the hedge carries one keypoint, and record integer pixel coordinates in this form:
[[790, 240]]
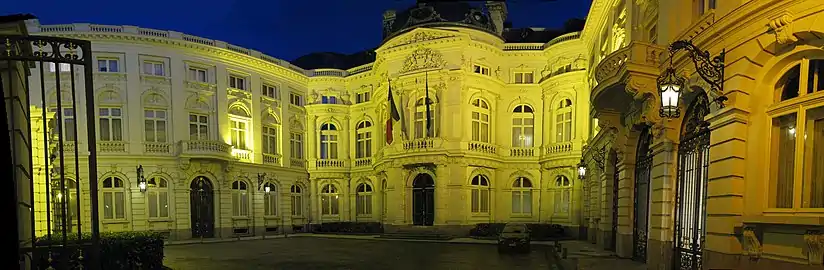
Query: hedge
[[118, 250], [348, 227], [538, 231]]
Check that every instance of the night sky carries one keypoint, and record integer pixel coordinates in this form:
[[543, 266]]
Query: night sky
[[286, 29]]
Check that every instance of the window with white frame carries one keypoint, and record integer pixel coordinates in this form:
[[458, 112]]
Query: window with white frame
[[153, 68], [562, 194], [238, 127], [158, 196], [296, 145], [563, 121], [480, 194], [329, 100], [363, 97], [797, 164], [114, 198], [420, 118], [363, 140], [296, 99], [524, 77], [111, 124], [198, 74], [522, 196], [240, 199], [703, 6], [198, 127], [155, 125], [270, 139], [328, 141], [68, 124], [329, 200], [108, 65], [297, 201], [270, 91], [523, 126], [480, 121], [270, 199], [64, 67], [480, 70], [363, 203], [237, 82]]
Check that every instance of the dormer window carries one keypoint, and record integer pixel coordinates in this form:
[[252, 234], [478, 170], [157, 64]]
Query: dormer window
[[237, 82], [329, 100], [480, 70]]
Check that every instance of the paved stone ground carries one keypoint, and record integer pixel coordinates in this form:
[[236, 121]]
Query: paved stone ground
[[589, 257], [331, 253]]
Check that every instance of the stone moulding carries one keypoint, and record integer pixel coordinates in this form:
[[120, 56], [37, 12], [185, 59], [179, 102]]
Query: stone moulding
[[750, 242], [815, 246]]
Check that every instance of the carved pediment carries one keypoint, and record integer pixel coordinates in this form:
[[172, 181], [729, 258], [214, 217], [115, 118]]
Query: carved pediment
[[417, 36], [423, 58]]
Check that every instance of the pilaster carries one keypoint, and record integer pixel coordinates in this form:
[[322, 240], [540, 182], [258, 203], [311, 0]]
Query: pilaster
[[662, 192]]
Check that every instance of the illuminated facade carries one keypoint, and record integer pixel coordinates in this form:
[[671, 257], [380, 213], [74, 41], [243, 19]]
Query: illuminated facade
[[712, 188], [206, 120]]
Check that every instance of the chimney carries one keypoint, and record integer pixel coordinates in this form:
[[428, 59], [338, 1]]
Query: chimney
[[497, 13], [388, 20]]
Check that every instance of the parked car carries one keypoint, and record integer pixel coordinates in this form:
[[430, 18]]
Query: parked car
[[514, 236]]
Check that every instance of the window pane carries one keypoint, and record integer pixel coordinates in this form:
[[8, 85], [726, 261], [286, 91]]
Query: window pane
[[152, 204], [485, 201], [334, 204], [235, 204], [108, 208], [516, 202], [150, 133], [527, 202], [783, 149], [164, 203], [475, 200], [120, 205], [812, 189]]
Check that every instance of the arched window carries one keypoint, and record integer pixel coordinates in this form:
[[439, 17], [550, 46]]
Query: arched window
[[364, 199], [114, 198], [480, 194], [792, 119], [297, 201], [480, 121], [420, 119], [158, 196], [522, 196], [239, 125], [523, 126], [329, 200], [363, 142], [563, 121], [271, 134], [328, 141], [562, 194], [64, 199], [270, 199], [240, 199]]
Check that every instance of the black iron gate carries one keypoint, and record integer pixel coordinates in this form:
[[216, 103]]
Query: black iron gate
[[54, 74], [691, 187], [615, 189], [643, 169]]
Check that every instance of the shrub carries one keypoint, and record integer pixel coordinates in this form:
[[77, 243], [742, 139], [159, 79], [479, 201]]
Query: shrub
[[348, 227], [118, 250]]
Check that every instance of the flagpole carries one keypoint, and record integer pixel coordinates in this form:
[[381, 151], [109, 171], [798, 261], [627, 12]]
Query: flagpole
[[428, 111]]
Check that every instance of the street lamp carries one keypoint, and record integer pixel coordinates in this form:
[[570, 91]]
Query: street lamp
[[141, 180], [582, 169], [711, 70]]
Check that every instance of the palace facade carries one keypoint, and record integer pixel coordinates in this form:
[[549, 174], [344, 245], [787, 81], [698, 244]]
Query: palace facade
[[236, 143]]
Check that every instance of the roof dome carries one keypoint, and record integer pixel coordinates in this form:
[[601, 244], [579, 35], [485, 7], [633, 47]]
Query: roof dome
[[446, 13]]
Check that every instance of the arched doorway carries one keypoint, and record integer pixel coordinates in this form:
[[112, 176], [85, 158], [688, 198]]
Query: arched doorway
[[202, 208], [643, 169], [423, 200], [691, 187]]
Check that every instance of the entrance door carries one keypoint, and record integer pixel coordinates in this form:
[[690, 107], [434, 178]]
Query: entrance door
[[202, 208], [691, 187], [423, 200], [643, 169]]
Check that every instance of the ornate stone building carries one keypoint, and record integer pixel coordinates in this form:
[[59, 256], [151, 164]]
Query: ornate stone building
[[489, 124], [706, 186]]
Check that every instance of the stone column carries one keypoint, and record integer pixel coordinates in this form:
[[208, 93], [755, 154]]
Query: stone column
[[314, 205], [395, 202], [442, 197], [626, 203], [662, 192]]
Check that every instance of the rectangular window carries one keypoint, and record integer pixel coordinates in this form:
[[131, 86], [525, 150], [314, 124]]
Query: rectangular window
[[481, 70], [270, 91], [270, 140], [197, 75], [68, 124], [107, 65], [297, 205], [296, 145], [240, 203], [523, 77], [238, 129], [329, 100], [198, 127], [296, 99], [111, 124], [155, 125], [158, 203], [812, 188], [64, 67], [237, 82], [153, 68], [363, 97], [270, 204]]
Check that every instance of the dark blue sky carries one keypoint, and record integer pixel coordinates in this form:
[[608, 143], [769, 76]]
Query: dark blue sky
[[284, 29]]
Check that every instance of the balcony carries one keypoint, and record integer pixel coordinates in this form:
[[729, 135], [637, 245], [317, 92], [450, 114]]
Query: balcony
[[559, 148], [330, 163], [271, 159], [482, 147], [242, 154], [297, 163], [111, 147], [204, 148], [363, 162], [419, 144], [625, 74], [158, 148], [522, 152]]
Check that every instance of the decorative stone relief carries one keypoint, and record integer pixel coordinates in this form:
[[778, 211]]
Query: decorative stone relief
[[110, 77], [782, 27], [157, 80], [200, 86], [750, 243], [420, 36], [423, 58], [815, 247], [239, 93]]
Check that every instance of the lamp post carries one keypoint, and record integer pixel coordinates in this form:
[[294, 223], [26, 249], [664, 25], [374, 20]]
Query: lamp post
[[262, 177], [670, 85], [141, 180], [582, 170]]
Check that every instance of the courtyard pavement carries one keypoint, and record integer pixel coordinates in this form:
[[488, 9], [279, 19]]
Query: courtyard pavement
[[308, 251]]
